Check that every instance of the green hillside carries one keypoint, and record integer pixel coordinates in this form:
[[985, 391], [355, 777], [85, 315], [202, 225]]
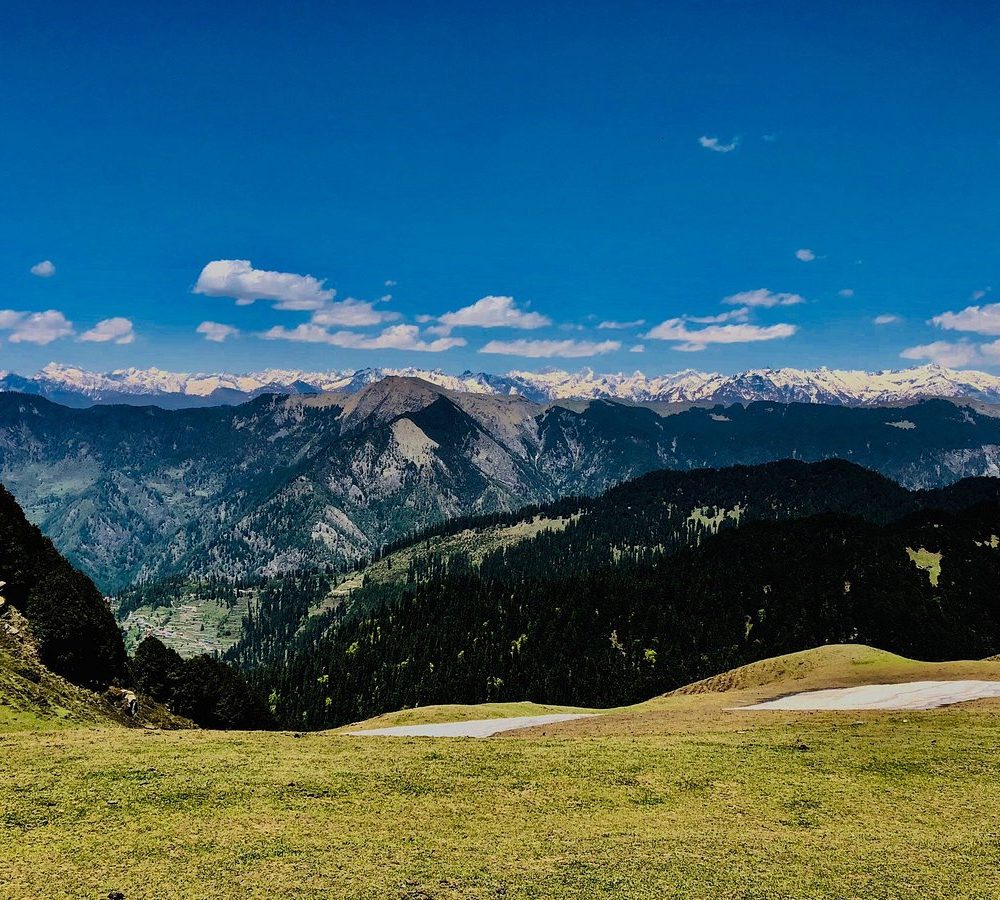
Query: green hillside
[[72, 628], [32, 698]]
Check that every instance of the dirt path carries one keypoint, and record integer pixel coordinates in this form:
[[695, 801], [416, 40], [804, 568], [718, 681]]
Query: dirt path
[[477, 728], [910, 695]]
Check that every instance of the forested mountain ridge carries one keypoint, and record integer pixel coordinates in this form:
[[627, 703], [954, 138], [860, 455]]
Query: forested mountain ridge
[[653, 585], [140, 493], [665, 509]]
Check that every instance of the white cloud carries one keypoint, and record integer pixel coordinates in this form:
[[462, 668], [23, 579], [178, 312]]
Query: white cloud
[[689, 348], [611, 324], [885, 319], [395, 337], [846, 292], [805, 255], [637, 348], [352, 314], [117, 329], [540, 349], [978, 295], [494, 312], [734, 315], [945, 353], [727, 327], [35, 328], [390, 283], [979, 319], [713, 143], [698, 339], [763, 297], [216, 331], [238, 279], [45, 269], [306, 334]]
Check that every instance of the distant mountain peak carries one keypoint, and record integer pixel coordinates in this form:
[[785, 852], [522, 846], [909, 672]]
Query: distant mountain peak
[[77, 386]]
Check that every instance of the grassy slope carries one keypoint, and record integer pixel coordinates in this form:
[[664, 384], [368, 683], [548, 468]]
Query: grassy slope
[[33, 699], [429, 715], [675, 797], [709, 704]]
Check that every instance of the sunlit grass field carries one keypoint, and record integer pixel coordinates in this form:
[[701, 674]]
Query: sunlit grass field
[[678, 797]]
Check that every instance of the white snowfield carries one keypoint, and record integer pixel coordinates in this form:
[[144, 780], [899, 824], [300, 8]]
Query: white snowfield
[[911, 695], [475, 728]]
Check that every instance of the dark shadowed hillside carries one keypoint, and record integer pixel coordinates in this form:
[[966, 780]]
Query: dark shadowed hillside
[[660, 582], [76, 632], [56, 627]]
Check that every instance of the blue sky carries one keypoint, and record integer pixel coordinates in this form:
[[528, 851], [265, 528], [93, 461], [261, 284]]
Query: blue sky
[[576, 163]]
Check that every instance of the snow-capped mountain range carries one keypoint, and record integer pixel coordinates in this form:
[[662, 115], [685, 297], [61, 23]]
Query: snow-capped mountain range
[[77, 387]]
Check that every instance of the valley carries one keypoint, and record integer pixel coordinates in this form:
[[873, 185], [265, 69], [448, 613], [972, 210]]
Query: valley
[[138, 496]]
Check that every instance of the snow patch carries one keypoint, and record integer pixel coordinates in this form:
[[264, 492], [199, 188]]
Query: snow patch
[[477, 728], [913, 695]]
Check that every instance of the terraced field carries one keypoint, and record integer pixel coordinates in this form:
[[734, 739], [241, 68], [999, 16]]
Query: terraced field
[[191, 627]]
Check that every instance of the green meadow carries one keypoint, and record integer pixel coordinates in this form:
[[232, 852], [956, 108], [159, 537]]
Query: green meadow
[[678, 797]]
